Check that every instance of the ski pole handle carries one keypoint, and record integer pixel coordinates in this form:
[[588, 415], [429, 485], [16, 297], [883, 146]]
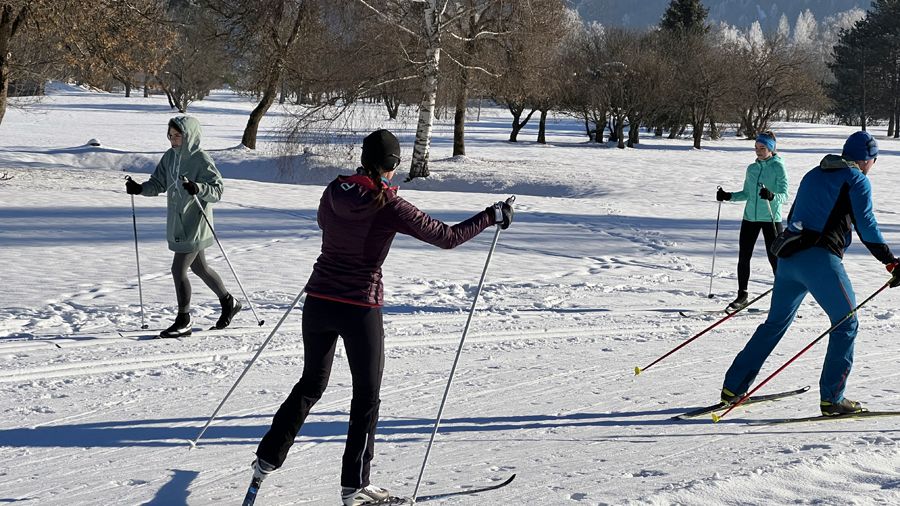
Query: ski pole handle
[[498, 209]]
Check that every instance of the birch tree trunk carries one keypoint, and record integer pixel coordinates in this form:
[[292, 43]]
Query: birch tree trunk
[[419, 166]]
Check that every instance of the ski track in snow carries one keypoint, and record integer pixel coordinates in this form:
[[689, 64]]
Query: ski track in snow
[[583, 287]]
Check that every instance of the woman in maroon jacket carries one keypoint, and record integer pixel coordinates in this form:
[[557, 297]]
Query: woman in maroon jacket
[[359, 216]]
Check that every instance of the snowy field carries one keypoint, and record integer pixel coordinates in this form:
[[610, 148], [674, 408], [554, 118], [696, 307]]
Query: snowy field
[[606, 247]]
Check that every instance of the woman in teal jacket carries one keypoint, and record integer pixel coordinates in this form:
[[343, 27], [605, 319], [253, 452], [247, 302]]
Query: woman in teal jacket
[[765, 190], [186, 230]]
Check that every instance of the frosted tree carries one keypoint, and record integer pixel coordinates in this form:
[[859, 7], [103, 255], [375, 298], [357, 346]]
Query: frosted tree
[[805, 30], [755, 36], [834, 24], [784, 27], [729, 35]]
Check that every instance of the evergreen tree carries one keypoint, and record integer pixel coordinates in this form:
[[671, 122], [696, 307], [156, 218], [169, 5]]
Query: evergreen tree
[[866, 68], [685, 16]]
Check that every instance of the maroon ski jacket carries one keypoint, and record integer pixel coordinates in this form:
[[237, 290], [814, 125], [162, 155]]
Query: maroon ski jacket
[[357, 235]]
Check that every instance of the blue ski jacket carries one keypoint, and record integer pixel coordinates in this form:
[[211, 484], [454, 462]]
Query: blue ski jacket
[[832, 199]]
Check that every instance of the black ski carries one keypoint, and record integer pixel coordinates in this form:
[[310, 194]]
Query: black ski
[[252, 490], [824, 418], [250, 498], [475, 490], [394, 500], [753, 400], [724, 312]]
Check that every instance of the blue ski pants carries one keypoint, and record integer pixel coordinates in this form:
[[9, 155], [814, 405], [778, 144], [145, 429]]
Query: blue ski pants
[[820, 273]]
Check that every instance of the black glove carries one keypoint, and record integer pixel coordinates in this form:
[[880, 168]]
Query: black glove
[[895, 273], [722, 195], [502, 213], [133, 188], [765, 193], [190, 187]]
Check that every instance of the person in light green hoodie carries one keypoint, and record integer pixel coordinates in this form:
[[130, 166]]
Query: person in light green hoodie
[[766, 191], [184, 171]]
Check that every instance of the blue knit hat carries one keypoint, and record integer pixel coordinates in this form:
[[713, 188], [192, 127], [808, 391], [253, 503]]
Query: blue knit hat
[[860, 146]]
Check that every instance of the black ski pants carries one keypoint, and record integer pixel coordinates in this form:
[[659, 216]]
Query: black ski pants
[[747, 242], [196, 261], [362, 330]]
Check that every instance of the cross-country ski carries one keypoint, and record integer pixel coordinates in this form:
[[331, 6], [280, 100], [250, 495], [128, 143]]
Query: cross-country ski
[[752, 400]]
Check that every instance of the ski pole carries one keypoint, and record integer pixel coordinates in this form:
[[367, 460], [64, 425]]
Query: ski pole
[[437, 421], [638, 370], [771, 213], [852, 312], [712, 269], [265, 343], [137, 258], [236, 278]]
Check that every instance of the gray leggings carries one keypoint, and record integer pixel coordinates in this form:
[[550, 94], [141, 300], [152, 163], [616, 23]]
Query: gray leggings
[[196, 260]]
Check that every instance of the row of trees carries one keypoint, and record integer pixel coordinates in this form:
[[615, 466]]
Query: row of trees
[[866, 68], [532, 56]]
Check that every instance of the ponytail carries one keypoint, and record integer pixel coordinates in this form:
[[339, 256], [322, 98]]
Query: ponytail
[[374, 174]]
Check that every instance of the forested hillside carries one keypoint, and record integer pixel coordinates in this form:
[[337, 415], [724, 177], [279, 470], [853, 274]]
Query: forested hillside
[[736, 12]]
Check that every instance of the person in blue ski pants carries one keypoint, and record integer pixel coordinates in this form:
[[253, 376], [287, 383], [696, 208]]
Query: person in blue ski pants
[[831, 199]]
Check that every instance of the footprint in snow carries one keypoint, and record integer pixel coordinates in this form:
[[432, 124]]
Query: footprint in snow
[[646, 473]]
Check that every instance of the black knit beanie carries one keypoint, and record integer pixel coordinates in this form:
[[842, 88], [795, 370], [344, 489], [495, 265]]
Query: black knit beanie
[[381, 150]]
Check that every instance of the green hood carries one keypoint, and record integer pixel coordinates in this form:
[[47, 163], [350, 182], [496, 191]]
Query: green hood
[[186, 230], [190, 131]]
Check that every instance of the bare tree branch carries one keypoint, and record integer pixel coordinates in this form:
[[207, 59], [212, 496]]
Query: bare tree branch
[[470, 67], [388, 18], [478, 35]]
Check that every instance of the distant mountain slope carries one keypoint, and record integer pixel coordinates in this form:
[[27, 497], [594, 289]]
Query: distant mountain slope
[[740, 13]]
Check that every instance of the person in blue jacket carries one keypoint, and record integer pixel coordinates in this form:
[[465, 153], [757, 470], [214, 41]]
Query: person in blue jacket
[[832, 198], [765, 190]]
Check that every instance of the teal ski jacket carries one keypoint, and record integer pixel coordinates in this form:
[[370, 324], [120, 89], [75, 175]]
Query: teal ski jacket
[[186, 230], [772, 174]]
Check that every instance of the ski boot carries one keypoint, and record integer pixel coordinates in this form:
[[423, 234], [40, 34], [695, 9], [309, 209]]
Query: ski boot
[[181, 327], [261, 469], [738, 303], [728, 397], [230, 307], [369, 494], [844, 407]]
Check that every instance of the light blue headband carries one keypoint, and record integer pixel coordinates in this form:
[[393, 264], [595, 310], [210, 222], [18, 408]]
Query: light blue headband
[[767, 140]]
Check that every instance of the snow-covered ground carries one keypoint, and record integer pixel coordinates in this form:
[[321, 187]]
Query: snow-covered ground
[[606, 247]]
